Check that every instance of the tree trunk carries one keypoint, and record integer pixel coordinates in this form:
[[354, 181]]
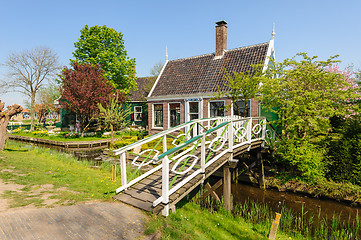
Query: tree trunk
[[111, 135], [4, 120], [3, 131], [32, 112]]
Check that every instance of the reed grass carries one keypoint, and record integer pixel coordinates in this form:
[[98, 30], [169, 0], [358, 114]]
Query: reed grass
[[310, 226]]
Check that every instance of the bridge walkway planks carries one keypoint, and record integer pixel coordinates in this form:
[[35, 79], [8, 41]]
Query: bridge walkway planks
[[145, 192]]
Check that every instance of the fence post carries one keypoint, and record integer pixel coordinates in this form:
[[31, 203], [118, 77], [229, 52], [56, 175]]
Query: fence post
[[195, 129], [203, 154], [264, 126], [165, 143], [230, 136], [123, 168], [249, 130], [274, 227], [165, 185]]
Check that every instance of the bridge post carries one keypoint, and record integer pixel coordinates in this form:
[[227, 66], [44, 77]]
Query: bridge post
[[227, 188], [264, 129], [123, 168], [203, 154], [195, 130], [230, 136], [262, 184], [249, 130], [165, 185], [165, 143]]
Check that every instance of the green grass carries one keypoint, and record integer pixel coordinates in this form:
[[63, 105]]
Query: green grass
[[33, 167], [192, 222], [59, 137]]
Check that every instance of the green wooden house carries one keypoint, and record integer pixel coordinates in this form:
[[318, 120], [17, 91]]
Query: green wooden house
[[138, 102]]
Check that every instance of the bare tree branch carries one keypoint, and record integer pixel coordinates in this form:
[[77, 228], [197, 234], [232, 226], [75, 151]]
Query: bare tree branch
[[27, 72]]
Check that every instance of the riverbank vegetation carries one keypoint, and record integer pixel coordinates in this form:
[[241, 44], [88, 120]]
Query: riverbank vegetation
[[250, 220], [122, 138], [193, 222]]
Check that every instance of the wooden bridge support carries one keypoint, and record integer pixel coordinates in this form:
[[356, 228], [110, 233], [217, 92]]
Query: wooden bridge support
[[227, 188], [262, 183]]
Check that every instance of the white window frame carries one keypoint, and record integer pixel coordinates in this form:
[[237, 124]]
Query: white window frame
[[153, 116], [250, 108], [180, 107], [141, 112], [199, 109], [209, 106]]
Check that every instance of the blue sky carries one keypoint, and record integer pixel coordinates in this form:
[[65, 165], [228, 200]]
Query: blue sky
[[318, 27]]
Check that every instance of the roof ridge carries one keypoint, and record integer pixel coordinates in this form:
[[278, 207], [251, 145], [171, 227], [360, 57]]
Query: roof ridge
[[212, 54], [250, 46]]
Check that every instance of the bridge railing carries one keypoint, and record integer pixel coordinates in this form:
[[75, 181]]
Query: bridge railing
[[143, 153], [185, 155], [219, 140]]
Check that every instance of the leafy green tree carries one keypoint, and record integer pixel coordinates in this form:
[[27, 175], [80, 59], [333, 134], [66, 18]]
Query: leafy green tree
[[113, 115], [46, 97], [344, 150], [104, 46], [243, 86], [305, 95]]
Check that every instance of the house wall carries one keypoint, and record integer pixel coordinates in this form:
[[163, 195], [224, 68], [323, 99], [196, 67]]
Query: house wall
[[153, 130], [205, 112], [145, 117]]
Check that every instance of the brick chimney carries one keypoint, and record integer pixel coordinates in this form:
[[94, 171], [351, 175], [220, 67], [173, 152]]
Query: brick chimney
[[221, 37]]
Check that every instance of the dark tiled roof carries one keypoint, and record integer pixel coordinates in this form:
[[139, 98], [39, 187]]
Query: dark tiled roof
[[144, 85], [202, 74]]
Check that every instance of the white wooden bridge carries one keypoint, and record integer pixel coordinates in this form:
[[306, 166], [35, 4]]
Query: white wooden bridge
[[163, 168]]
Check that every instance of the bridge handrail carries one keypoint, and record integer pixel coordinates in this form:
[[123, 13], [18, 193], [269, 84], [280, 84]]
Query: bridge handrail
[[160, 134], [190, 141], [236, 132], [167, 188]]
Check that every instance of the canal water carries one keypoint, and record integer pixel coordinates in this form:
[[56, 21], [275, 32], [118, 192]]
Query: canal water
[[275, 199]]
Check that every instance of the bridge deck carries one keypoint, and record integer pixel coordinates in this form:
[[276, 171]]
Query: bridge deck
[[145, 192]]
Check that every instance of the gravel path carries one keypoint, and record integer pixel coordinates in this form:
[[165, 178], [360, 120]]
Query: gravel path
[[92, 220]]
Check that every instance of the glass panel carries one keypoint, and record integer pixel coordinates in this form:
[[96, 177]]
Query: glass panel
[[174, 114], [193, 116], [138, 109], [241, 109], [193, 107], [216, 109], [158, 115]]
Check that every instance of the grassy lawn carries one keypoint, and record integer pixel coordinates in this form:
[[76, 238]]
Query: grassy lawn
[[72, 181], [192, 222], [60, 138]]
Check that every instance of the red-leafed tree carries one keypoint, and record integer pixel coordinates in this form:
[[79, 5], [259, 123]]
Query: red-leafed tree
[[83, 88]]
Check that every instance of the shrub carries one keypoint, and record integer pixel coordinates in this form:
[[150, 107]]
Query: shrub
[[304, 158], [41, 133], [344, 152]]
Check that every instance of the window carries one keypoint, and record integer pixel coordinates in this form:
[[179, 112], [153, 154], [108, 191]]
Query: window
[[158, 115], [216, 109], [193, 110], [174, 109], [137, 113], [240, 111]]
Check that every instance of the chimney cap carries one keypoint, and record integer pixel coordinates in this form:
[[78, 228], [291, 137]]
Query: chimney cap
[[222, 22]]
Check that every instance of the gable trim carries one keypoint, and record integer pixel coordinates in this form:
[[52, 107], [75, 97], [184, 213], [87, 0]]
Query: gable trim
[[156, 81]]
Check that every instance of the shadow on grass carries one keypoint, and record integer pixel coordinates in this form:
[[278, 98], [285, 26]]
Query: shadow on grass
[[15, 150]]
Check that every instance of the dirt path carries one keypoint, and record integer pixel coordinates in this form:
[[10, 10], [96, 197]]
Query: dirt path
[[91, 220]]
